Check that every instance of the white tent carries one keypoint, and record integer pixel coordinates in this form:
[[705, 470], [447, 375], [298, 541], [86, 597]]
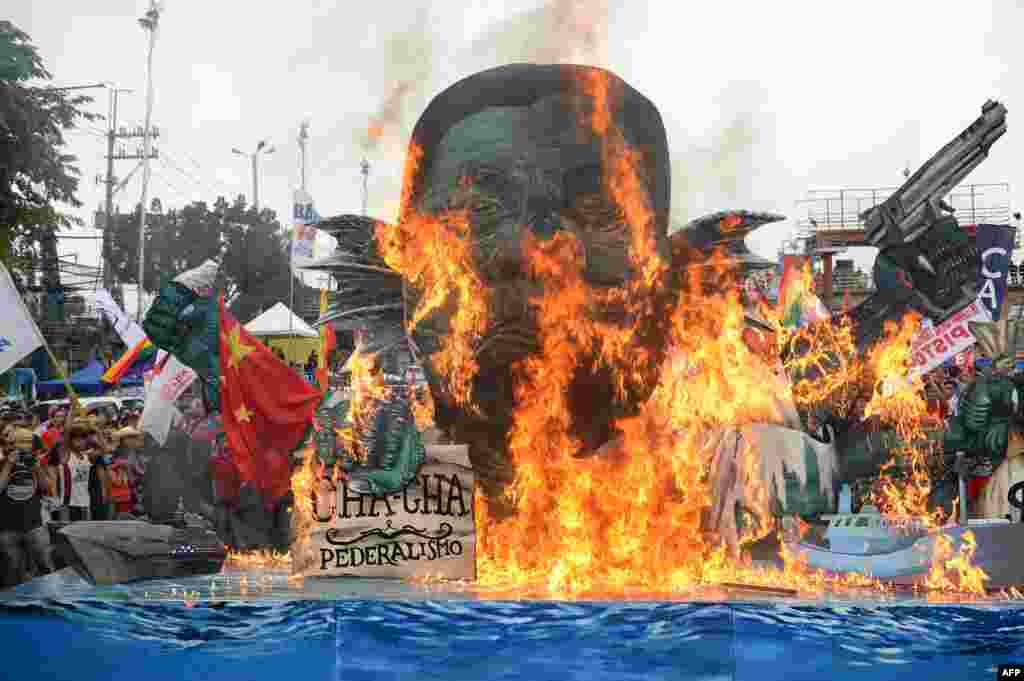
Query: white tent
[[280, 321]]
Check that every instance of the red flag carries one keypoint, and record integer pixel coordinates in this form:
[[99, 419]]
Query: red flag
[[266, 406]]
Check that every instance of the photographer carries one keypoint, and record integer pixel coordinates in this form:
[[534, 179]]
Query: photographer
[[23, 538]]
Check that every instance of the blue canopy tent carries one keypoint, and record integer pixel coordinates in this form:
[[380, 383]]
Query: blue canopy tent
[[86, 381], [20, 384]]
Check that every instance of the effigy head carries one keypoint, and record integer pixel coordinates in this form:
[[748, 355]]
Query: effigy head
[[514, 147], [513, 144]]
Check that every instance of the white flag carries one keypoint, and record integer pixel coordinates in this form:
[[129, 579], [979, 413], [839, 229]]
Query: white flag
[[19, 335], [304, 217], [128, 329], [161, 395]]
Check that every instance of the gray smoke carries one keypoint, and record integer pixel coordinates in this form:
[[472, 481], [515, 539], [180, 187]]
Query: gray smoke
[[559, 31], [720, 171], [403, 67]]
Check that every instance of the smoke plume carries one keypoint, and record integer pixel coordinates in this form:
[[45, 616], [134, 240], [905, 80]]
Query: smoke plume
[[719, 171], [405, 67], [560, 31]]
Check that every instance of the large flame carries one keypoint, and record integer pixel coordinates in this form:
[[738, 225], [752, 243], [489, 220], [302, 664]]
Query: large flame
[[435, 253], [632, 519], [368, 390]]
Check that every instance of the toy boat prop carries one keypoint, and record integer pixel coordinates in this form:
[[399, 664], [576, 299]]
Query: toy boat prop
[[119, 551], [901, 550]]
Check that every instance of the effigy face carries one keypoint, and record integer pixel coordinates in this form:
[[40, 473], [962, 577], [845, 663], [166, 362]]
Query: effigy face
[[513, 148]]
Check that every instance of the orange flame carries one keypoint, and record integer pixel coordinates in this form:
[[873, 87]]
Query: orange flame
[[422, 409], [436, 256]]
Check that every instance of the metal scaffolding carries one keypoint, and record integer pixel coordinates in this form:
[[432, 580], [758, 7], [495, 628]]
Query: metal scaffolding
[[837, 212]]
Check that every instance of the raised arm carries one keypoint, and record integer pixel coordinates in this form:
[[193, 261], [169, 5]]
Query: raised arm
[[72, 409], [5, 470]]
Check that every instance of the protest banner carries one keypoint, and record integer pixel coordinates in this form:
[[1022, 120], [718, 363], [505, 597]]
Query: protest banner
[[932, 346], [427, 529], [162, 392], [995, 244], [19, 336]]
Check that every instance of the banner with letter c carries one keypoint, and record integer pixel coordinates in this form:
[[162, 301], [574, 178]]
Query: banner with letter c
[[995, 244]]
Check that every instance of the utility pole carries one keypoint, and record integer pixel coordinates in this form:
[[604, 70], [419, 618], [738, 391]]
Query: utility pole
[[255, 158], [110, 181], [149, 23], [364, 168], [256, 183], [303, 140]]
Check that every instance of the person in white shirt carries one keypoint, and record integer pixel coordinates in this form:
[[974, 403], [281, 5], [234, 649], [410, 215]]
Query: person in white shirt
[[80, 463], [952, 397]]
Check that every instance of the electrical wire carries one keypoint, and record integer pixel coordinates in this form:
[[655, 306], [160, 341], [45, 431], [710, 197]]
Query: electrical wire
[[195, 181], [172, 187], [225, 190]]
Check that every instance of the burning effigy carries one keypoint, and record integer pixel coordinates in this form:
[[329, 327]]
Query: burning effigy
[[624, 429], [634, 418]]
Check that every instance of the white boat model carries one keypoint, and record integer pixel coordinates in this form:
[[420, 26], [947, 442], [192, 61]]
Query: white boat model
[[901, 550]]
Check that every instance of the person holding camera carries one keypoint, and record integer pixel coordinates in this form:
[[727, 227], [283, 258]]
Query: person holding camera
[[23, 537]]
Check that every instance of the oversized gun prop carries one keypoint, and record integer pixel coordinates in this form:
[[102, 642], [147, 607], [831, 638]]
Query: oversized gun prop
[[918, 204], [926, 263]]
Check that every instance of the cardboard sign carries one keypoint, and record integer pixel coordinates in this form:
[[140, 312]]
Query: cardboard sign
[[428, 529], [933, 346]]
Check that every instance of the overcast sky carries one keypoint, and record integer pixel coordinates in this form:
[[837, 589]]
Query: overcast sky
[[762, 100]]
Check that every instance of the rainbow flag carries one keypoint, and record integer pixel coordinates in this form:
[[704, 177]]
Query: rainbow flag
[[142, 351], [797, 303]]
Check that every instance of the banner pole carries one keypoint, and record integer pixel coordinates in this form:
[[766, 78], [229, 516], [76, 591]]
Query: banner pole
[[67, 383]]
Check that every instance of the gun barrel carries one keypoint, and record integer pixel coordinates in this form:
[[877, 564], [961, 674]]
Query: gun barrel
[[912, 208]]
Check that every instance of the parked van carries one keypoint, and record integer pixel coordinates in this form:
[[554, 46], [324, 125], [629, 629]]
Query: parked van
[[91, 405]]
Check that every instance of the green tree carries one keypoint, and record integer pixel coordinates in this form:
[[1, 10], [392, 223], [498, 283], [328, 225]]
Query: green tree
[[251, 248], [35, 172]]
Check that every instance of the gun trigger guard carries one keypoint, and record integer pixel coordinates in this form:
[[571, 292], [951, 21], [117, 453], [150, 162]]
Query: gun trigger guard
[[935, 311]]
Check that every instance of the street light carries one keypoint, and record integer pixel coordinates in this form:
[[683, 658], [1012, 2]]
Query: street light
[[255, 157]]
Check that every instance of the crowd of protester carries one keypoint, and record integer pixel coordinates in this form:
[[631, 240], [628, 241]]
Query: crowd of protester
[[63, 466], [66, 464], [943, 389], [307, 370]]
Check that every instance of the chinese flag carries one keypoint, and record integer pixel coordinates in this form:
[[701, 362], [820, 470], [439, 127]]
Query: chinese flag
[[266, 406]]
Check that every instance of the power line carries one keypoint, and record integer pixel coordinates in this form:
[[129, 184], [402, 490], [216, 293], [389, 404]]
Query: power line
[[172, 187], [196, 182], [91, 133], [224, 188], [68, 88], [171, 163]]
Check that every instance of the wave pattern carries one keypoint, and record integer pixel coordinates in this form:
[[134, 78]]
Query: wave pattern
[[385, 630]]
